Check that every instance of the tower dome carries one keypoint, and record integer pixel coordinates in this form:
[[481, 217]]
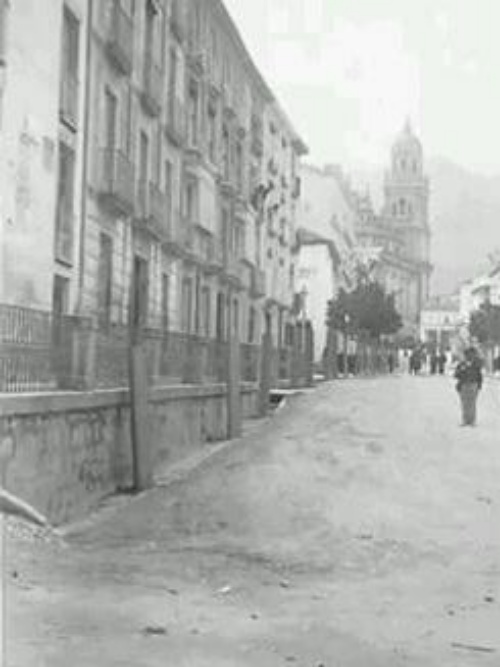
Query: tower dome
[[407, 154]]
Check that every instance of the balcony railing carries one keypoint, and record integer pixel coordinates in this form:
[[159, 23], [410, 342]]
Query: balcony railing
[[152, 86], [68, 101], [175, 127], [120, 38], [116, 180]]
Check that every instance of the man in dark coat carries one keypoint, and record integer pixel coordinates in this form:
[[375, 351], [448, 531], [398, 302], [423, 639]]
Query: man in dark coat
[[469, 382]]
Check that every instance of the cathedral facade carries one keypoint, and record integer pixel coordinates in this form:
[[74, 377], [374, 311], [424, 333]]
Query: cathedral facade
[[398, 238]]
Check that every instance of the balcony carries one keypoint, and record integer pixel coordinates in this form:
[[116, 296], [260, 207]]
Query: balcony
[[152, 210], [151, 96], [232, 267], [258, 282], [207, 252], [120, 39], [116, 181], [68, 100], [175, 127]]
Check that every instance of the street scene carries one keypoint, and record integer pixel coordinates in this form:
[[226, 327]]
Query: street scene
[[249, 333], [343, 531]]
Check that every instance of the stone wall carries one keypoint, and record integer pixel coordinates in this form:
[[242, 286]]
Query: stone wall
[[63, 452]]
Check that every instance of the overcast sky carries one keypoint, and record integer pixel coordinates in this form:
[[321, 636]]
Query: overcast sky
[[348, 73]]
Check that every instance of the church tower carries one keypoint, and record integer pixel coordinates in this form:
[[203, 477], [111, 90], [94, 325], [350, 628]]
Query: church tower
[[406, 210]]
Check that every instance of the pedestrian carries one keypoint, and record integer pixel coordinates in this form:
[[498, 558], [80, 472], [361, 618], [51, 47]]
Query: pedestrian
[[434, 363], [391, 362], [469, 382], [442, 362]]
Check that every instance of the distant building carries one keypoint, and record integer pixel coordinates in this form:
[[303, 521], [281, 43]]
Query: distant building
[[479, 290], [325, 244], [401, 231], [441, 323]]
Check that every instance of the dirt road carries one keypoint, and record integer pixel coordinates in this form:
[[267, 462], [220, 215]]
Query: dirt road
[[360, 527]]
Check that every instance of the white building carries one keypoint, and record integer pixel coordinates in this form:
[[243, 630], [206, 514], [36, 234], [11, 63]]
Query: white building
[[326, 246], [441, 323]]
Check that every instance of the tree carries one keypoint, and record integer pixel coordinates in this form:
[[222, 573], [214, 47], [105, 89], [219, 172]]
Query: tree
[[367, 310], [485, 324]]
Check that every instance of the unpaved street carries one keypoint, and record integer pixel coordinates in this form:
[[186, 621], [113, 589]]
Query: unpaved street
[[359, 527]]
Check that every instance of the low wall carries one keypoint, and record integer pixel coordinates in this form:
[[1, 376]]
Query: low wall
[[63, 452]]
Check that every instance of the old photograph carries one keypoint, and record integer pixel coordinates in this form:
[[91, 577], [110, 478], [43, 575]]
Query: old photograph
[[249, 333]]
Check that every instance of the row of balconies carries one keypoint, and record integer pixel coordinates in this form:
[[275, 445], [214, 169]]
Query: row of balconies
[[152, 212]]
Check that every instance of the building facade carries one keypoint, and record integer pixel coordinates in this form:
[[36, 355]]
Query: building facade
[[401, 232], [441, 323], [155, 177], [42, 70], [326, 245]]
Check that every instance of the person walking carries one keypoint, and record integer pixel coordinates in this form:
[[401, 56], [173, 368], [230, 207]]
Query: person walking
[[469, 382]]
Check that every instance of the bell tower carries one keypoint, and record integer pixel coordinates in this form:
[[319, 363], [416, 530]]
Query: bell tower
[[406, 210]]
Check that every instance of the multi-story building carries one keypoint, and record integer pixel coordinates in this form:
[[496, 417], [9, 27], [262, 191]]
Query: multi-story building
[[187, 150], [42, 116], [326, 249], [441, 323], [151, 169]]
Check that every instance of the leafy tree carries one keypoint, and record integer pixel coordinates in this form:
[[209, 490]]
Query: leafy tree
[[485, 324], [366, 310]]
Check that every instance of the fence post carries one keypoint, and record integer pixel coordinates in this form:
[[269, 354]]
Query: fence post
[[265, 374], [309, 355], [234, 417]]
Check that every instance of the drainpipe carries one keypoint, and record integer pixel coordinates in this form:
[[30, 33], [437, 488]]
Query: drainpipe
[[85, 158]]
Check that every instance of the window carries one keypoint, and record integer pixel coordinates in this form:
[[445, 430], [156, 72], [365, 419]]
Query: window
[[69, 68], [165, 301], [402, 207], [251, 324], [205, 312], [192, 201], [212, 132], [169, 189], [236, 317], [140, 298], [187, 305], [172, 84], [220, 316], [239, 166], [193, 113], [65, 195], [226, 155], [104, 280], [4, 9], [111, 112], [143, 157]]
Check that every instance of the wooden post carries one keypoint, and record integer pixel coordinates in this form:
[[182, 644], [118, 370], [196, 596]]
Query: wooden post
[[234, 416], [139, 418], [265, 374], [309, 355]]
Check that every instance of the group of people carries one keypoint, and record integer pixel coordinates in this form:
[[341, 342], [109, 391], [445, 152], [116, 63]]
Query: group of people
[[418, 360]]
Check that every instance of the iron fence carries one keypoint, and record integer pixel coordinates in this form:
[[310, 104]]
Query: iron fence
[[41, 351]]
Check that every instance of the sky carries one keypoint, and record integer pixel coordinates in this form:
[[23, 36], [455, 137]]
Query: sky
[[349, 73]]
